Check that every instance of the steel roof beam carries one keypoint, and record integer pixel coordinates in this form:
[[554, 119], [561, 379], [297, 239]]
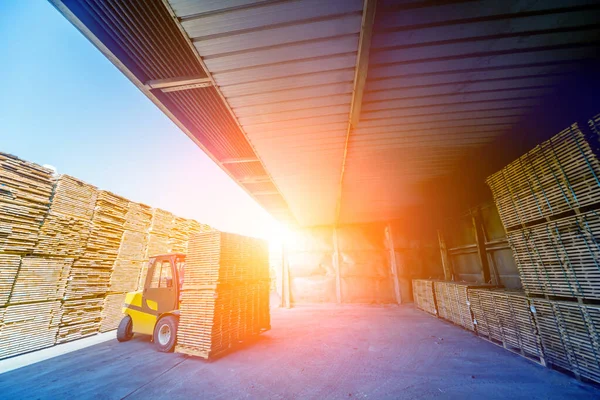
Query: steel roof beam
[[171, 84], [360, 78]]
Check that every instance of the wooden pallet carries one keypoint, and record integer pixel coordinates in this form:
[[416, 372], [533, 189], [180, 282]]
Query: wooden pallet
[[28, 327], [556, 176], [504, 317], [561, 257], [423, 295], [25, 193], [225, 298], [453, 302], [570, 336]]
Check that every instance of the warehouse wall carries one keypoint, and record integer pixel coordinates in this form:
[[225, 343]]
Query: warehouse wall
[[365, 264], [461, 242]]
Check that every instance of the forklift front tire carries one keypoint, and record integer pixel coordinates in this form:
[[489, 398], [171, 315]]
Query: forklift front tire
[[125, 329], [165, 334]]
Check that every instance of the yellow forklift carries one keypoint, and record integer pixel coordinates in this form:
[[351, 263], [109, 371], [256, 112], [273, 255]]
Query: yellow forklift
[[155, 309]]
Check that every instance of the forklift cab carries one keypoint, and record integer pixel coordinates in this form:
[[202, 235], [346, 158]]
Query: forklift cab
[[155, 309]]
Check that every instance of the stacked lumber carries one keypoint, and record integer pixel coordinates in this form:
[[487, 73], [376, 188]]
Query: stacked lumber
[[559, 175], [90, 276], [225, 298], [132, 251], [25, 192], [453, 301], [9, 267], [505, 318], [80, 318], [66, 228], [28, 327], [112, 311], [570, 336], [41, 279], [560, 258], [107, 227], [423, 295]]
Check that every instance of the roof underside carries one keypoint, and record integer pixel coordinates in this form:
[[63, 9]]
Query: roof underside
[[327, 115]]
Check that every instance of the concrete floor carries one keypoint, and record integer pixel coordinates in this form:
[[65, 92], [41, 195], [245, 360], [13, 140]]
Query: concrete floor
[[311, 352]]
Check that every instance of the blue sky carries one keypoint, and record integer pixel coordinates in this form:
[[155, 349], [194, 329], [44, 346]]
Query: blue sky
[[63, 103]]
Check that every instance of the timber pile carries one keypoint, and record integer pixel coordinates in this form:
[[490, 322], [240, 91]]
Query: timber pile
[[557, 176], [66, 228], [132, 251], [107, 227], [41, 279], [560, 258], [453, 301], [225, 297], [87, 280], [28, 327], [162, 222], [570, 336], [80, 318], [9, 267], [112, 311], [424, 296], [505, 318], [25, 192]]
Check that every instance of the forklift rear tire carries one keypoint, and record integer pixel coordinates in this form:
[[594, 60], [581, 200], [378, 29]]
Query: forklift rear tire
[[165, 334], [125, 329]]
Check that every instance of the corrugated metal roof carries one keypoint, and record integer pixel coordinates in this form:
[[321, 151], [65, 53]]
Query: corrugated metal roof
[[272, 61], [443, 78]]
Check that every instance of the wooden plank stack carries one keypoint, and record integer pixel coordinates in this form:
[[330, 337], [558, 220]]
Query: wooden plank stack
[[549, 203], [557, 176], [423, 295], [25, 190], [128, 265], [570, 336], [561, 257], [9, 267], [452, 301], [80, 318], [41, 279], [112, 311], [28, 327], [67, 225], [91, 274], [505, 318], [225, 297]]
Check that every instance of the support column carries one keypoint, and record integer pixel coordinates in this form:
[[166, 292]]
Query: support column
[[336, 267], [446, 264], [285, 276], [481, 251], [393, 265]]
